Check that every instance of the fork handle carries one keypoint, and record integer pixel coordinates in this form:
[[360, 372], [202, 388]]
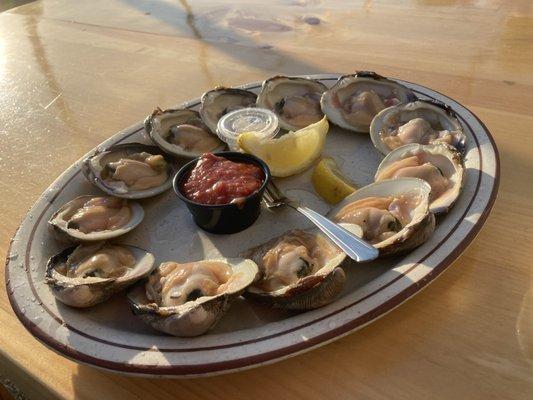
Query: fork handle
[[357, 249]]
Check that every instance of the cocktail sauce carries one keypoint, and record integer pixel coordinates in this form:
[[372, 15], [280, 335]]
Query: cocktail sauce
[[217, 180]]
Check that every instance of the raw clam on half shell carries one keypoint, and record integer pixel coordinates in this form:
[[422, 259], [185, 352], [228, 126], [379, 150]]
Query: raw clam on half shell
[[355, 99], [181, 132], [295, 100], [393, 214], [218, 102], [438, 164], [130, 171], [94, 218], [298, 270], [189, 299], [421, 121], [89, 274]]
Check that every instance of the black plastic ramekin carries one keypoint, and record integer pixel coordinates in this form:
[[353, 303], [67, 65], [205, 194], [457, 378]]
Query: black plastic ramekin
[[224, 218]]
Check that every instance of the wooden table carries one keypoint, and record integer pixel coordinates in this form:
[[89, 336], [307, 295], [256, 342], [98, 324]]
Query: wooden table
[[74, 73]]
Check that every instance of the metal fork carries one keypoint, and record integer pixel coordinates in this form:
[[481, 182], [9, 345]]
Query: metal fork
[[356, 248]]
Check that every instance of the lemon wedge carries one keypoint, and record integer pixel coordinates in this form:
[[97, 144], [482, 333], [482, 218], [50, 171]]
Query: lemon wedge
[[291, 153], [329, 182]]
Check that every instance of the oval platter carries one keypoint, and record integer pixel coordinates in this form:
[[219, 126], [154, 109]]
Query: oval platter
[[109, 336]]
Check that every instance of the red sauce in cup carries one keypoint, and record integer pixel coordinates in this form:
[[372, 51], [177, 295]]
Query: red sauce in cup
[[217, 180]]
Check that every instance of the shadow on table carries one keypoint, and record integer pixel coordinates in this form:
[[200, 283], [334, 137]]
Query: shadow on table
[[240, 385], [255, 29], [271, 381], [281, 380], [9, 4]]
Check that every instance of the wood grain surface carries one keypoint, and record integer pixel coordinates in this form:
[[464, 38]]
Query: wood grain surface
[[74, 73]]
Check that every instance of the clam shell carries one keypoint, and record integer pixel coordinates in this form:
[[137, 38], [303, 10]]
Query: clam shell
[[276, 88], [310, 292], [444, 157], [58, 222], [86, 292], [196, 317], [221, 100], [433, 111], [92, 168], [157, 126], [419, 228], [331, 107]]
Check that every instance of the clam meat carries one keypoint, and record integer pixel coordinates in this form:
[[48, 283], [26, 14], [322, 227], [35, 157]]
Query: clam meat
[[192, 138], [97, 217], [379, 217], [422, 122], [88, 274], [295, 100], [181, 132], [299, 270], [218, 102], [393, 214], [109, 261], [438, 164], [137, 171], [175, 284], [188, 299], [130, 170], [100, 214], [355, 99]]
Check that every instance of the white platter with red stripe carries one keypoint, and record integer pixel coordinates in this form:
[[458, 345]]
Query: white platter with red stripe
[[110, 337]]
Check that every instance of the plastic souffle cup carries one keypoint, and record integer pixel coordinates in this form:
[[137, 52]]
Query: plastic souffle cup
[[261, 121]]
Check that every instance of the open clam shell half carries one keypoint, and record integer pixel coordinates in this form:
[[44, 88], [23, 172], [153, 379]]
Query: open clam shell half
[[299, 270], [295, 100], [189, 311], [421, 121], [218, 102], [393, 214], [181, 132], [95, 285], [100, 169], [438, 164], [355, 99], [62, 220]]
